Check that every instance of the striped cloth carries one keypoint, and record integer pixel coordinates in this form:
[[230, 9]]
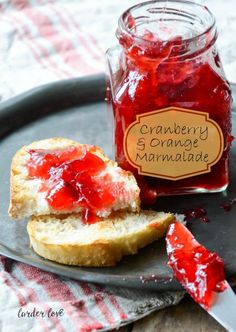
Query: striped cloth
[[43, 41], [47, 40], [37, 301], [40, 42]]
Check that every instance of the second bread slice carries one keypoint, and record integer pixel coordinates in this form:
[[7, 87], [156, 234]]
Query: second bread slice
[[68, 240]]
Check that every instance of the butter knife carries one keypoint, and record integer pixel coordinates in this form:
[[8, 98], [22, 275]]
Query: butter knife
[[224, 309]]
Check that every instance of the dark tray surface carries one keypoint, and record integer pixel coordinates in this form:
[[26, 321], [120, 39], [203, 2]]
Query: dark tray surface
[[87, 123]]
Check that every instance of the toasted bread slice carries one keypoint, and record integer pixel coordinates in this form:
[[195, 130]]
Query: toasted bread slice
[[27, 199], [69, 241]]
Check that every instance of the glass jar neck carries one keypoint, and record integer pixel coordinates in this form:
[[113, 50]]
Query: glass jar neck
[[173, 30]]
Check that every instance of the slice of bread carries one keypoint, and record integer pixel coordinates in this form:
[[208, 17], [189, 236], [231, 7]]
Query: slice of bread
[[27, 199], [68, 240]]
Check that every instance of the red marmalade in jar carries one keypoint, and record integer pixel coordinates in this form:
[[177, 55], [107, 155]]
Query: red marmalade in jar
[[171, 101]]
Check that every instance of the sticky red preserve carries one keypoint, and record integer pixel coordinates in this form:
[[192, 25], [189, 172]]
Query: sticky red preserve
[[155, 73], [200, 271], [196, 213], [172, 84], [69, 178]]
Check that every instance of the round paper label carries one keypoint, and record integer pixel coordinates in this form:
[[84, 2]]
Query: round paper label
[[173, 143]]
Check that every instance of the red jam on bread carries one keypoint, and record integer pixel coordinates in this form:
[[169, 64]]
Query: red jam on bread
[[200, 272], [75, 177]]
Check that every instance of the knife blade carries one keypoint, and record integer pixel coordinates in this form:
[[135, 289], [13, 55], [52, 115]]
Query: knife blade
[[224, 309]]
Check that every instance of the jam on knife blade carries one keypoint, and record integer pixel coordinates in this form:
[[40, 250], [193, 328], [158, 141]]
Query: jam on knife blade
[[200, 271]]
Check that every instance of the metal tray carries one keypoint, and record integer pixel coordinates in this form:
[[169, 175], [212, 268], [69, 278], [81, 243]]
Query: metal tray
[[76, 109]]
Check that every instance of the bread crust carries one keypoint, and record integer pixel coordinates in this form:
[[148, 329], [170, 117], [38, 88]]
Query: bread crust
[[106, 241], [25, 200], [64, 238]]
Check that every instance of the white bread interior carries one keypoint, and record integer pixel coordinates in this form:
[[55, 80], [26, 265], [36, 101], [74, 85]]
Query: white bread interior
[[62, 236], [26, 200], [67, 240]]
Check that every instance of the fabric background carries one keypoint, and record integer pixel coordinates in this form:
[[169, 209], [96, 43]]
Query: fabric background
[[44, 41]]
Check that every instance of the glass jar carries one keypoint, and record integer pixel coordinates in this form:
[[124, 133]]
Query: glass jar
[[170, 99]]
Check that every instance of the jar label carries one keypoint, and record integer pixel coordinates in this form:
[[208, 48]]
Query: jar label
[[173, 143]]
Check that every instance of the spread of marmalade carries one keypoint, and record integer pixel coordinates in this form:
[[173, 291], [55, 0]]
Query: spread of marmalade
[[171, 101]]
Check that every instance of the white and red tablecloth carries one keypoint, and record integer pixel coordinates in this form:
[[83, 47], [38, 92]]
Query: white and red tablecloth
[[48, 40]]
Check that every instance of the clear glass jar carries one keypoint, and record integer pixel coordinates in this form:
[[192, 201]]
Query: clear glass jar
[[167, 66]]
